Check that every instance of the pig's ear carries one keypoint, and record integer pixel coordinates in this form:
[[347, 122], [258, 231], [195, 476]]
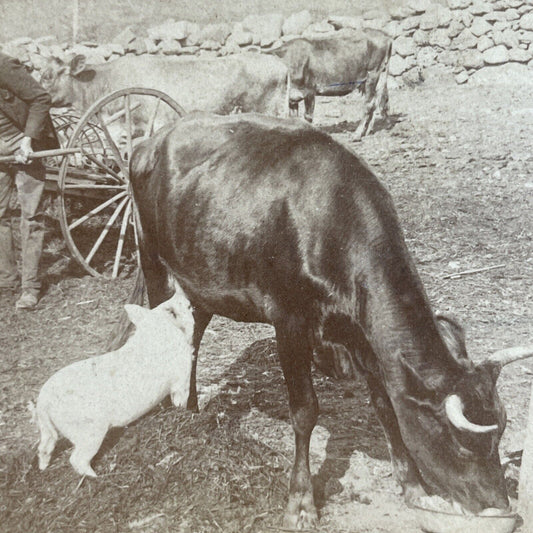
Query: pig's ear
[[136, 313]]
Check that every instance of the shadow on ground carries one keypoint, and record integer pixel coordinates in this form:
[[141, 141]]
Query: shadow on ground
[[195, 472], [386, 123]]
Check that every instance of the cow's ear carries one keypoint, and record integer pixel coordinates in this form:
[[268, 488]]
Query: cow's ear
[[78, 64], [453, 335], [136, 313]]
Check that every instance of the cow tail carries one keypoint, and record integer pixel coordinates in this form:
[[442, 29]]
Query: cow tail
[[288, 95], [123, 328], [383, 101]]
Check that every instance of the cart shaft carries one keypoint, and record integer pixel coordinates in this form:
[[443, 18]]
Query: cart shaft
[[42, 154]]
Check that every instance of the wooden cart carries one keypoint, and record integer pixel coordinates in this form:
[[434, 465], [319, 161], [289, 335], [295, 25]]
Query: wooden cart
[[90, 173]]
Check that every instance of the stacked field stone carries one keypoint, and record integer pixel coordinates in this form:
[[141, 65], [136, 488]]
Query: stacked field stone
[[461, 35], [465, 35]]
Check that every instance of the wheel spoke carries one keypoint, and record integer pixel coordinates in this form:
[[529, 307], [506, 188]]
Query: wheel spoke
[[112, 145], [119, 114], [104, 167], [150, 129], [101, 173], [128, 126], [134, 218], [121, 237], [96, 210], [105, 231]]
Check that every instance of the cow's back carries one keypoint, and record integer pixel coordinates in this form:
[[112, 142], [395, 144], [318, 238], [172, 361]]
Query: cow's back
[[249, 82], [257, 211]]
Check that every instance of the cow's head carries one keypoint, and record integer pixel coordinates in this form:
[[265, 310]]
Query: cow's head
[[57, 79], [451, 423]]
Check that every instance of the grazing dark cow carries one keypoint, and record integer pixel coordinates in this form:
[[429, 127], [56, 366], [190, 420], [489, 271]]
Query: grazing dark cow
[[269, 220], [244, 82], [336, 65]]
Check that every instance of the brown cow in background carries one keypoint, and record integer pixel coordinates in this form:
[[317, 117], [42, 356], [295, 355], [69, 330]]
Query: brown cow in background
[[224, 85], [336, 65]]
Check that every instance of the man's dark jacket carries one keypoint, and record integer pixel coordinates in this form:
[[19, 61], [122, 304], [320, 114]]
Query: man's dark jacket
[[26, 103]]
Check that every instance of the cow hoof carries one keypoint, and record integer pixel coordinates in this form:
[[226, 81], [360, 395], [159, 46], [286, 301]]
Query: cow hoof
[[304, 521], [192, 404], [301, 517], [193, 408]]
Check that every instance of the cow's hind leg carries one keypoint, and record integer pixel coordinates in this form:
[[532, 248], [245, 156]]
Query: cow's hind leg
[[309, 102], [159, 289], [295, 358], [156, 277], [367, 119], [376, 100], [201, 320], [367, 122], [380, 103]]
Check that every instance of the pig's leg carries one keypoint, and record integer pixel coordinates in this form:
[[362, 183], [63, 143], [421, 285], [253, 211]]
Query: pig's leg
[[180, 394], [86, 445], [48, 439]]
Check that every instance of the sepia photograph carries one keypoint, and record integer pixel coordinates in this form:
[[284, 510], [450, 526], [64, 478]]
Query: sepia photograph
[[266, 266]]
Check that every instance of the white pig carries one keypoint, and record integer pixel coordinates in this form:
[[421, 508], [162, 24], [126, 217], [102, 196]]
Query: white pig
[[83, 400]]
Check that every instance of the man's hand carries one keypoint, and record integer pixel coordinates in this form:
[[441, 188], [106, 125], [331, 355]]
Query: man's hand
[[22, 155]]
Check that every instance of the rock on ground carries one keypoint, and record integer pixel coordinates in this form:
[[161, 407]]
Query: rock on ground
[[496, 55]]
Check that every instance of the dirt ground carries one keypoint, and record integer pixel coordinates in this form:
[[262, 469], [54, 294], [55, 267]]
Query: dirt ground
[[458, 161]]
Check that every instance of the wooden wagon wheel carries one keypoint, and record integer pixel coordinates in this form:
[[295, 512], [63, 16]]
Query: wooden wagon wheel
[[95, 203]]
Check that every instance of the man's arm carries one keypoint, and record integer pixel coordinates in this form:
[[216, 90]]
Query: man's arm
[[17, 80]]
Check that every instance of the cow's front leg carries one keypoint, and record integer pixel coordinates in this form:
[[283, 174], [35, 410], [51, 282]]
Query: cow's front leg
[[404, 467], [295, 356]]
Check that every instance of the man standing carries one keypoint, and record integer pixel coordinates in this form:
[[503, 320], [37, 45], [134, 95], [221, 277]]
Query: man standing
[[25, 125]]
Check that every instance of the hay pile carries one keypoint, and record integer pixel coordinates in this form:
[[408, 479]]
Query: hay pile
[[171, 471]]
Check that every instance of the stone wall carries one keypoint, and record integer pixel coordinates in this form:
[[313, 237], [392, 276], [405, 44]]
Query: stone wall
[[461, 35]]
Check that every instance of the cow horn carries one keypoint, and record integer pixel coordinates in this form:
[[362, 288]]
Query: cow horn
[[510, 355], [455, 412]]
